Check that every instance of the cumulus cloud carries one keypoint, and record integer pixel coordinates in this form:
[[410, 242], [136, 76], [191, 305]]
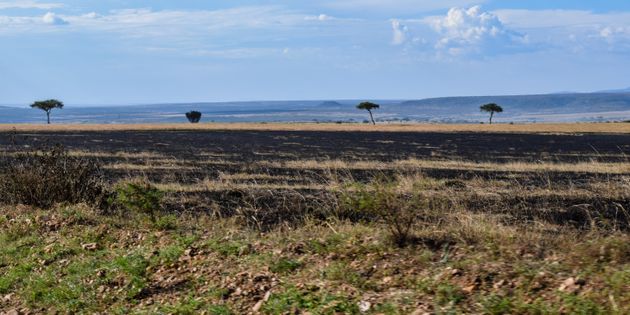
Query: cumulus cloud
[[52, 19], [617, 38], [28, 4], [473, 30], [612, 32], [399, 35]]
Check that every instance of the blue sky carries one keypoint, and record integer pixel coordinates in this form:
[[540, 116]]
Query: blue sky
[[132, 51]]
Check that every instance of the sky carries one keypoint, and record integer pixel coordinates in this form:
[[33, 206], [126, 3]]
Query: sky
[[99, 52]]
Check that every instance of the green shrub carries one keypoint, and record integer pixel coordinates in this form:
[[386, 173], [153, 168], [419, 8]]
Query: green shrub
[[193, 116], [381, 200], [137, 197]]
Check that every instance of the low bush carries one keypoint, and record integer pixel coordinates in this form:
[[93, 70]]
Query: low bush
[[193, 116], [381, 200], [51, 176]]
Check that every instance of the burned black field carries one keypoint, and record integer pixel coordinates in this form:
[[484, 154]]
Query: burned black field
[[247, 146]]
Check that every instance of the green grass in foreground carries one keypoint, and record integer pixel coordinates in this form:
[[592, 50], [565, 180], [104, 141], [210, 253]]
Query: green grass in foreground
[[72, 260]]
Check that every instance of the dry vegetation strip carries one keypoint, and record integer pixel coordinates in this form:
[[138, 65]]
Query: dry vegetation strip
[[496, 128], [158, 162], [415, 164]]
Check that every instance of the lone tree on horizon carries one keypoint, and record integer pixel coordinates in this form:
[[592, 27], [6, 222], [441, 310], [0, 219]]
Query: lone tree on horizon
[[369, 106], [47, 106], [193, 116], [491, 108]]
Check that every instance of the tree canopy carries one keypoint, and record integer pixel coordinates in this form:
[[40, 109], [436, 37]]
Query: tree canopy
[[369, 106], [47, 106], [491, 108]]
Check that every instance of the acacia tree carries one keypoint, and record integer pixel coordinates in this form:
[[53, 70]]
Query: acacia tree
[[491, 108], [369, 106], [193, 116], [47, 106]]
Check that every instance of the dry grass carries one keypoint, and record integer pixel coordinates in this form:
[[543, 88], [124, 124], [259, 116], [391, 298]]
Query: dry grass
[[417, 164], [98, 154], [158, 161], [210, 185], [516, 128], [147, 167]]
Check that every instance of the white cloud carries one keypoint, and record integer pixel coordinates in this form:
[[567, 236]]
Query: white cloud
[[560, 18], [399, 35], [52, 19], [145, 22], [575, 30], [239, 53], [321, 17], [614, 32], [91, 15], [29, 4], [241, 32], [617, 37], [473, 30], [399, 6]]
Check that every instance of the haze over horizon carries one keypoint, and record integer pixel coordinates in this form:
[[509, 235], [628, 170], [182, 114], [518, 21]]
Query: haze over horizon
[[143, 52]]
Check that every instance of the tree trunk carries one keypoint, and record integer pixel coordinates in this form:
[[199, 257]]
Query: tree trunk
[[372, 117], [48, 116], [491, 114]]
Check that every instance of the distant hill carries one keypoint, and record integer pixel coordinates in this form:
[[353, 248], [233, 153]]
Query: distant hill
[[626, 90], [330, 104], [527, 104], [566, 107]]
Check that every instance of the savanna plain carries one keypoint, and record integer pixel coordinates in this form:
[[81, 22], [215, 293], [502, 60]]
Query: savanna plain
[[315, 219]]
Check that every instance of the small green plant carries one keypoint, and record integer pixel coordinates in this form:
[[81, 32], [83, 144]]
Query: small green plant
[[219, 310], [166, 222], [495, 304], [228, 248], [316, 303], [140, 197], [135, 266], [447, 293], [285, 265]]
